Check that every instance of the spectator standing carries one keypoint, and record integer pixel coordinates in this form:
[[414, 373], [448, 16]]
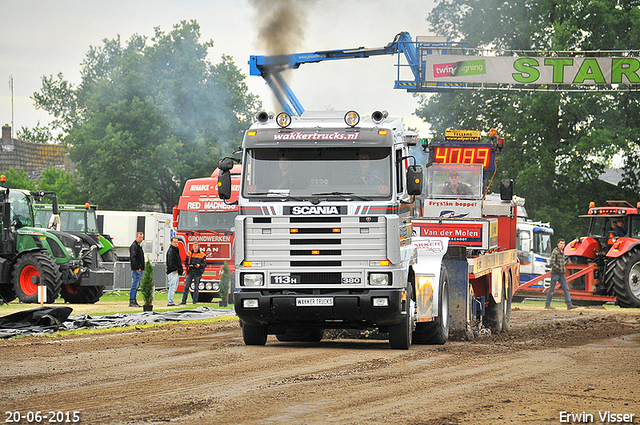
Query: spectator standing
[[136, 258], [174, 269], [195, 263], [558, 268]]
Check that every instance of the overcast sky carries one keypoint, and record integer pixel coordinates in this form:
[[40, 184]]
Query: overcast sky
[[45, 37]]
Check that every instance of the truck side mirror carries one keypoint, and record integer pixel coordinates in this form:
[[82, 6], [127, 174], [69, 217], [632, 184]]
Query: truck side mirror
[[225, 164], [506, 189], [54, 206], [224, 183], [414, 179], [176, 211]]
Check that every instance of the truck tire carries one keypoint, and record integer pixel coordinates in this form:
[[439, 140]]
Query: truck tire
[[76, 294], [36, 264], [400, 335], [254, 334], [506, 315], [494, 314], [625, 277], [437, 331]]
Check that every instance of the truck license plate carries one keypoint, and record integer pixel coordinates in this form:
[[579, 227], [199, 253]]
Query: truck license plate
[[314, 302]]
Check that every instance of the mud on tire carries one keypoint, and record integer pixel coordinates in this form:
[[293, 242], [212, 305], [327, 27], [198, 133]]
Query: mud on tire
[[32, 265]]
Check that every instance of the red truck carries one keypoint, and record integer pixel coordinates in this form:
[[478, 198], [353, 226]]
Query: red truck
[[202, 217]]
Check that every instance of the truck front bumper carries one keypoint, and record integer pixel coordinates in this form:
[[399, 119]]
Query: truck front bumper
[[349, 310]]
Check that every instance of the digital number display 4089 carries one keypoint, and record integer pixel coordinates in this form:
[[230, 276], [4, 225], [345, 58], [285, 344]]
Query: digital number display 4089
[[481, 155]]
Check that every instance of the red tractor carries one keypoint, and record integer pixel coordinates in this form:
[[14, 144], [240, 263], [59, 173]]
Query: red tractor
[[612, 250]]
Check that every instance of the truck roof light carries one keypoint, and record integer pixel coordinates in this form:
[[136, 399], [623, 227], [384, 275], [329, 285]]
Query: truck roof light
[[592, 204], [351, 118], [500, 143], [493, 132], [86, 205], [283, 120], [3, 178]]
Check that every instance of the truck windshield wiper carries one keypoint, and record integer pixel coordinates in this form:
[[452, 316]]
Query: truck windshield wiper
[[345, 194], [278, 194]]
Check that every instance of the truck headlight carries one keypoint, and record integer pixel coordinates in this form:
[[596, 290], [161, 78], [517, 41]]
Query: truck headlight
[[253, 279], [379, 279]]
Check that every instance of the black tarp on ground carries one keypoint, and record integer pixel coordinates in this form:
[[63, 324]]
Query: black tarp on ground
[[50, 319]]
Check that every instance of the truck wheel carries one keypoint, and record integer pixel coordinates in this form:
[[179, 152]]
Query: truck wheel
[[626, 280], [506, 312], [254, 334], [494, 314], [76, 294], [437, 331], [36, 265], [400, 334]]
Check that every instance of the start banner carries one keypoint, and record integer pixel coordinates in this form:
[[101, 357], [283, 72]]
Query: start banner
[[532, 70]]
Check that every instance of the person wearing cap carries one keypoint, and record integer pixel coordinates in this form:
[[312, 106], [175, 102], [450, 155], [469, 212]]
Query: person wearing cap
[[455, 187]]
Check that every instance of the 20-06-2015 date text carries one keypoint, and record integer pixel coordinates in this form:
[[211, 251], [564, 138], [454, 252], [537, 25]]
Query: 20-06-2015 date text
[[54, 417]]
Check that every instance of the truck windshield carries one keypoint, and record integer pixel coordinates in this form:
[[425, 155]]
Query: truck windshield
[[454, 181], [198, 220], [542, 243], [301, 172]]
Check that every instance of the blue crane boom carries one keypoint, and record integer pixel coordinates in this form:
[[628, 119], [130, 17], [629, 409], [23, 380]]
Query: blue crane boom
[[270, 67]]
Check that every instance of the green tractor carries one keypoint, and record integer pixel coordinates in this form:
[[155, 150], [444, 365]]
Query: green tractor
[[78, 220], [65, 264]]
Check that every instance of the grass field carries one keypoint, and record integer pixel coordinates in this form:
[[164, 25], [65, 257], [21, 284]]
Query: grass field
[[113, 302]]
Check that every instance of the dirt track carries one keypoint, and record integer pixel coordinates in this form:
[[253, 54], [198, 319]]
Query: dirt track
[[581, 361]]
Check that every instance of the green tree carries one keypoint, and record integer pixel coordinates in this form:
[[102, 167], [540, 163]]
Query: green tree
[[557, 144], [146, 286], [17, 179], [149, 115], [64, 183]]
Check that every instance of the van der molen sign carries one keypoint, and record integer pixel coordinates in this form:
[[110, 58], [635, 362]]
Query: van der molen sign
[[533, 70]]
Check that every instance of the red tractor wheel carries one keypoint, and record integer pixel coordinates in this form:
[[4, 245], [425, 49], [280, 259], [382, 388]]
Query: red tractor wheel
[[31, 269], [625, 276]]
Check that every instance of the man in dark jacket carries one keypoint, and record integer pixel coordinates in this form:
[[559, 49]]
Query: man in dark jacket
[[558, 268], [195, 263], [136, 258], [174, 269]]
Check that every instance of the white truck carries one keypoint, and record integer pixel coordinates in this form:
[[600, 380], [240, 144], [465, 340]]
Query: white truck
[[332, 247]]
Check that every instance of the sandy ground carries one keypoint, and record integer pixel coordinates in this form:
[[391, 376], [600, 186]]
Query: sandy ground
[[581, 362]]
